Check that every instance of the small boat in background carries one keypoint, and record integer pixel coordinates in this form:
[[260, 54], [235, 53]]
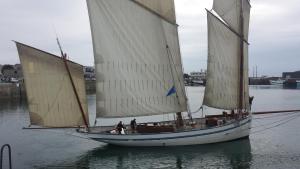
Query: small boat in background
[[277, 82]]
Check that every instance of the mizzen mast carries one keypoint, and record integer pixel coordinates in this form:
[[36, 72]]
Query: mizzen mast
[[64, 58], [241, 79]]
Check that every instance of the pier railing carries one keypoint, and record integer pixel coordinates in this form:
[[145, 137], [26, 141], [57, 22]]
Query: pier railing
[[2, 156]]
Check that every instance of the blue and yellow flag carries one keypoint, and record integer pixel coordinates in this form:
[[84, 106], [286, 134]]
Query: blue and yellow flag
[[171, 91]]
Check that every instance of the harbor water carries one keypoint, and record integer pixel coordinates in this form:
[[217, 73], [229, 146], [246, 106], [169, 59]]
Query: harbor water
[[274, 141]]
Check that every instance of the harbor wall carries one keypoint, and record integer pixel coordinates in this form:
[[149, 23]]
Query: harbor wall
[[17, 90], [259, 81], [90, 86], [12, 90]]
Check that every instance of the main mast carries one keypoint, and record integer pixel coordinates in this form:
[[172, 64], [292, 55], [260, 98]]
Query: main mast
[[241, 71]]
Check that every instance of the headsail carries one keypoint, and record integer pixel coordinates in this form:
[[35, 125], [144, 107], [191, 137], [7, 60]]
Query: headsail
[[137, 60], [224, 55], [51, 99]]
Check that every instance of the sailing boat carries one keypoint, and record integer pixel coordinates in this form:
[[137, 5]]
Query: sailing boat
[[139, 73]]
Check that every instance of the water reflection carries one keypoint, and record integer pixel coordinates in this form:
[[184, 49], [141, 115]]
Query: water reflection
[[54, 149], [12, 104], [236, 154]]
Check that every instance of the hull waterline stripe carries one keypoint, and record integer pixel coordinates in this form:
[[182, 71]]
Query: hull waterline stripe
[[168, 138]]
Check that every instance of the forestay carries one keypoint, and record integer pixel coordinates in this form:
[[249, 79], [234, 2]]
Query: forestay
[[50, 96], [224, 56], [135, 69]]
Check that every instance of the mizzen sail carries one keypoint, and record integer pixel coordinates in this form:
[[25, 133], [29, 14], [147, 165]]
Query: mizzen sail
[[50, 96], [225, 85], [137, 60]]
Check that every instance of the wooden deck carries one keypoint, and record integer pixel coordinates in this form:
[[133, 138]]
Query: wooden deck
[[172, 126]]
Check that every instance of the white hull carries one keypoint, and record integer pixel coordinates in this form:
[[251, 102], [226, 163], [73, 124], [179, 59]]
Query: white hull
[[223, 133]]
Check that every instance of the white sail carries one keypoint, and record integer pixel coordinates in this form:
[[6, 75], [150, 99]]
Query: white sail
[[134, 68], [164, 8], [50, 96], [230, 12], [222, 85]]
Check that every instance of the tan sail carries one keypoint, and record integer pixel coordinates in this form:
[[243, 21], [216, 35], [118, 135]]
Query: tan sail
[[223, 85], [164, 8], [135, 70], [51, 99]]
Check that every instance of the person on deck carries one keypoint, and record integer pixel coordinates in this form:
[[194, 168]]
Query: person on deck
[[250, 101], [120, 126], [133, 125]]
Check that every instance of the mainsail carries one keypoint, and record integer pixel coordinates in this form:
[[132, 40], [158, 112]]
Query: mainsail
[[137, 58], [50, 96], [226, 55], [164, 8]]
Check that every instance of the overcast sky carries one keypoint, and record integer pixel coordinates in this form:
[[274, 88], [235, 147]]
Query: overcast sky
[[274, 32]]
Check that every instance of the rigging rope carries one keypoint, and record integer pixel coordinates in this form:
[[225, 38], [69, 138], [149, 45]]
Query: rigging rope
[[267, 124], [196, 111], [278, 115], [280, 123]]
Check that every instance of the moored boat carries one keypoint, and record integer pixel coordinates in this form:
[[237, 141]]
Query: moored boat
[[227, 67], [277, 82], [139, 73]]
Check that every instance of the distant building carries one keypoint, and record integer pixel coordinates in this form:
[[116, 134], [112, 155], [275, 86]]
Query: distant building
[[291, 75], [197, 78], [198, 75], [89, 73]]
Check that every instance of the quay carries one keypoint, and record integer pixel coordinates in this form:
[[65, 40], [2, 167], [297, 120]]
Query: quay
[[17, 90]]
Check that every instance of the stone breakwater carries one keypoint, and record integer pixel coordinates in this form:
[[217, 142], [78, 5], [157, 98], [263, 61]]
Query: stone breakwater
[[17, 90], [12, 90]]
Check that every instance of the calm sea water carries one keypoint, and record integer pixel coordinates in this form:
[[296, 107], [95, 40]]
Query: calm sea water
[[274, 142]]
